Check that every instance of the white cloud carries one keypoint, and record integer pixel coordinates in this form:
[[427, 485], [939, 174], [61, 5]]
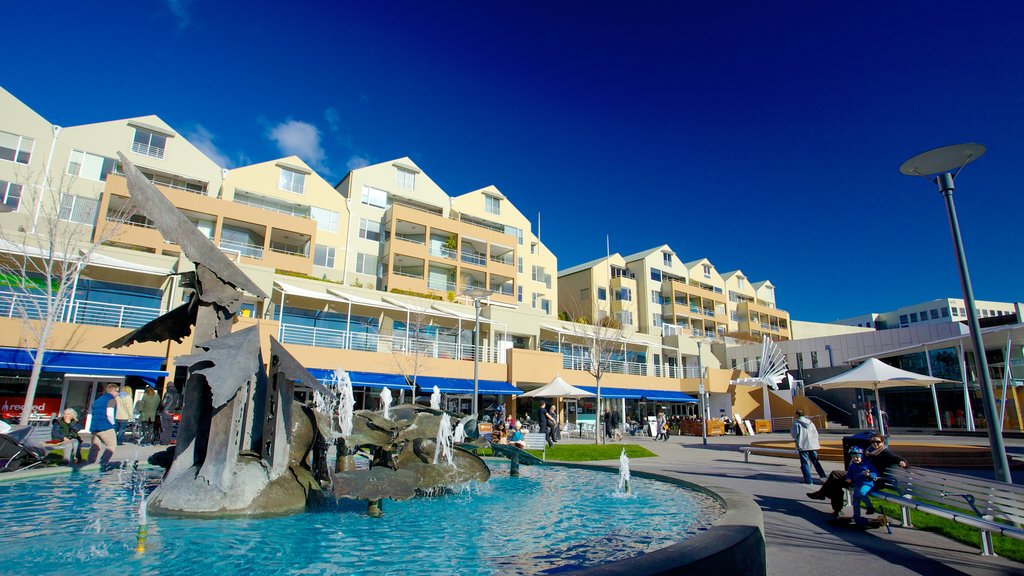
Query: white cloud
[[300, 139], [333, 118], [179, 8], [355, 162], [202, 139]]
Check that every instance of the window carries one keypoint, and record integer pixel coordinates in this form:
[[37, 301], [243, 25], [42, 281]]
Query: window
[[602, 294], [656, 320], [374, 197], [739, 281], [405, 179], [625, 317], [624, 294], [963, 312], [734, 316], [533, 247], [492, 204], [666, 257], [733, 363], [14, 148], [519, 264], [814, 359], [655, 297], [519, 293], [903, 320], [536, 298], [913, 316], [10, 194], [78, 209], [149, 143], [584, 294], [291, 181], [366, 264], [323, 256], [707, 271], [935, 313], [325, 219], [655, 274], [545, 305], [369, 230], [91, 166], [538, 273], [513, 231]]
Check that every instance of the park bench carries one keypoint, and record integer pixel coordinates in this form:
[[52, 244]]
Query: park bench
[[988, 505], [536, 441], [766, 451]]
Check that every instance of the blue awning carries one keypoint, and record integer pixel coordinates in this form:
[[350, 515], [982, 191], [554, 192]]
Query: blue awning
[[667, 396], [640, 394], [364, 379], [464, 386], [62, 362], [608, 392]]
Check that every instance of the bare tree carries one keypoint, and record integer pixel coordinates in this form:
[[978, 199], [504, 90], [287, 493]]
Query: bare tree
[[42, 258], [413, 354], [599, 341]]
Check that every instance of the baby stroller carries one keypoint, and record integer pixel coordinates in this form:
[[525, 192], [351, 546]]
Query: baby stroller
[[16, 453]]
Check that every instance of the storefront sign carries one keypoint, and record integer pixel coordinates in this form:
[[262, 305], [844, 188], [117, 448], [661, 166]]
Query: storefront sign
[[10, 406]]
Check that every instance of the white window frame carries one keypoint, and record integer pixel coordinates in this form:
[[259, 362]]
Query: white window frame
[[405, 179], [19, 148], [492, 204], [81, 158], [5, 193], [326, 220], [148, 148], [73, 211], [374, 197], [362, 260], [369, 227], [328, 255], [291, 181]]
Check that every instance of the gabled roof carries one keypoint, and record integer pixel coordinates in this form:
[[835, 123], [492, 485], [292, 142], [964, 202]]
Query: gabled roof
[[762, 283], [696, 262], [731, 273], [584, 266], [646, 253]]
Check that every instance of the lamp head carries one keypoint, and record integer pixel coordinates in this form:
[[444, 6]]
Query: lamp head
[[940, 160]]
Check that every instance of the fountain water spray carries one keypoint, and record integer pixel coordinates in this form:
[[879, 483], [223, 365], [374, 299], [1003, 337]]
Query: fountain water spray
[[435, 398], [443, 443], [460, 431], [623, 487], [347, 400], [143, 533], [385, 401]]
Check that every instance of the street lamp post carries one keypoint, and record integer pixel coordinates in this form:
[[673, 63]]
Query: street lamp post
[[477, 294], [937, 166], [700, 392]]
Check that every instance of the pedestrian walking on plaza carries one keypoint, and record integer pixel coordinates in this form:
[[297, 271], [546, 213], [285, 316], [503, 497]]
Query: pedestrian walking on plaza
[[552, 420], [662, 424], [125, 405], [146, 408], [542, 419], [806, 436], [104, 438]]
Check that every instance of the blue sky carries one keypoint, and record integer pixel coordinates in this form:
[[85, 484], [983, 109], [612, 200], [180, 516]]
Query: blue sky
[[765, 136]]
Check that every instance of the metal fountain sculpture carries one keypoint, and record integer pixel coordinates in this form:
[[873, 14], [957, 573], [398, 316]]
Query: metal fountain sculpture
[[245, 446]]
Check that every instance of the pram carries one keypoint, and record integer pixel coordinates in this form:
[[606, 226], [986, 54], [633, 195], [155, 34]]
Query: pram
[[17, 454]]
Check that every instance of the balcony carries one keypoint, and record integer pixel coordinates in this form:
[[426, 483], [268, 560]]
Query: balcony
[[473, 257], [400, 343], [242, 248], [79, 312]]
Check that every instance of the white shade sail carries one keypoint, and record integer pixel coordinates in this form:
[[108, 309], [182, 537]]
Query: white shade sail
[[557, 388], [876, 375]]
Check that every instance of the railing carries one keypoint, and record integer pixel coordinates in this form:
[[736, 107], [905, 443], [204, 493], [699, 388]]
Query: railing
[[285, 249], [614, 366], [81, 312], [147, 149], [250, 250], [506, 290], [407, 274], [439, 285], [361, 341], [502, 260], [411, 239], [271, 205], [478, 258], [443, 252]]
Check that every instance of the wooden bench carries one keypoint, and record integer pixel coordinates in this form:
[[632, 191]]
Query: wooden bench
[[536, 441], [791, 452], [988, 505]]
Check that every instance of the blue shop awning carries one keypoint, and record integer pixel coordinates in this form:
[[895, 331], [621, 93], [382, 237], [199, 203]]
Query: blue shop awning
[[464, 386], [62, 362], [608, 392], [667, 396], [364, 379]]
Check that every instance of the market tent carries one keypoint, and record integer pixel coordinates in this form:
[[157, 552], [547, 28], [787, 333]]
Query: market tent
[[558, 388]]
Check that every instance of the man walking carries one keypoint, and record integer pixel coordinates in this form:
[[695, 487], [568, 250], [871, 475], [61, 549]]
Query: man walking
[[104, 438], [806, 436], [542, 419]]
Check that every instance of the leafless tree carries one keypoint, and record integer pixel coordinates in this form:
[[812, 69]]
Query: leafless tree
[[42, 257], [413, 354], [599, 340]]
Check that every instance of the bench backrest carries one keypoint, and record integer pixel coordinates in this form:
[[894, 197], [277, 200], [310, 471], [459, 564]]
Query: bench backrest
[[534, 440], [975, 496]]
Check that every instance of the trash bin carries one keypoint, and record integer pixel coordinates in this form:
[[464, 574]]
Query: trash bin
[[861, 440]]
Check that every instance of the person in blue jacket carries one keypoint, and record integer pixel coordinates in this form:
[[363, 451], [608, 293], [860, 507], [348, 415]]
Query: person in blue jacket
[[102, 427], [862, 475]]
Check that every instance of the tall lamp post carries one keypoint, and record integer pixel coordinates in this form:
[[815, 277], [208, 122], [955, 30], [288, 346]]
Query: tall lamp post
[[941, 166], [477, 294], [700, 392]]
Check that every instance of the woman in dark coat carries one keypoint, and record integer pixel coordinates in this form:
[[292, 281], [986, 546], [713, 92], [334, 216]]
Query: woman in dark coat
[[65, 429], [877, 454]]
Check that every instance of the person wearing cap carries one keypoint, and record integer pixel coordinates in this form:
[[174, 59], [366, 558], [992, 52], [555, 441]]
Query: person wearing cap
[[862, 476], [878, 454]]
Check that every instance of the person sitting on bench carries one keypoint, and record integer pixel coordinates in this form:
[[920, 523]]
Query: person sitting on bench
[[65, 430], [862, 476], [878, 455], [517, 438]]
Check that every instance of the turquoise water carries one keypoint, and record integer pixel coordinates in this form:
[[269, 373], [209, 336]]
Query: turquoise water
[[550, 519]]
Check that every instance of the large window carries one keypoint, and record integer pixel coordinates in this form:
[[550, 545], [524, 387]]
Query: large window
[[492, 204], [366, 264], [545, 305], [624, 294], [292, 181], [323, 256], [369, 230], [655, 274], [374, 197], [10, 194], [602, 293], [405, 179], [14, 148], [149, 143], [78, 209], [325, 219], [91, 166]]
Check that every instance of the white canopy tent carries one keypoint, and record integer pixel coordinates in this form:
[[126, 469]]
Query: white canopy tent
[[875, 375], [558, 388]]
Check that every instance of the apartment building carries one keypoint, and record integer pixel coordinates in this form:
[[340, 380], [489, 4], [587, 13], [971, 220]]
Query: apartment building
[[941, 311]]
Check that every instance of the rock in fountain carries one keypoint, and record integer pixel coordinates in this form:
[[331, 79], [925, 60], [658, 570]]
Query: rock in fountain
[[244, 445]]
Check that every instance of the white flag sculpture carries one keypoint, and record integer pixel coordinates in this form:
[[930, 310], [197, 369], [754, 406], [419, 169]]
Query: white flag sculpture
[[771, 372]]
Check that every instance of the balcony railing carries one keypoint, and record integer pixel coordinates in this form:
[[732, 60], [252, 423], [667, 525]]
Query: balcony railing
[[408, 274], [147, 149], [441, 285], [478, 258], [411, 239], [613, 366], [80, 312], [250, 250], [361, 341], [502, 260], [443, 252]]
